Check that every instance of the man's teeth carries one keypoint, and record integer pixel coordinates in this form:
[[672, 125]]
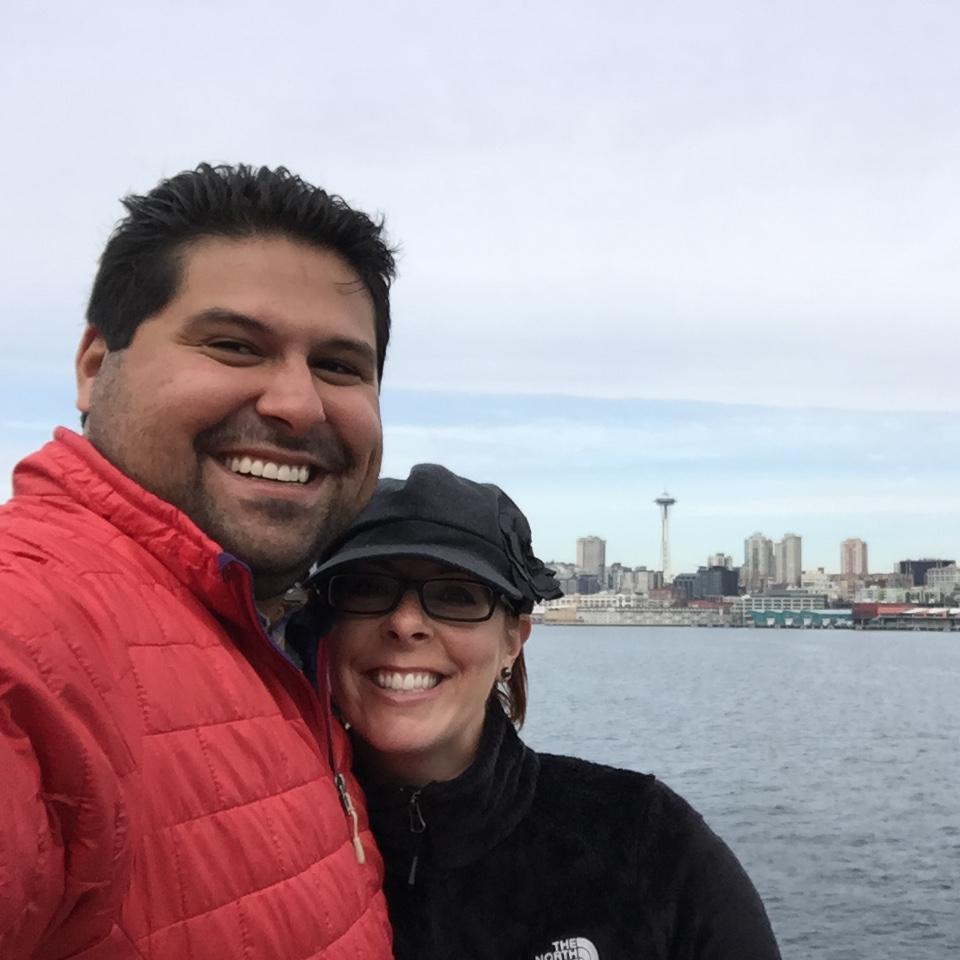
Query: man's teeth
[[269, 470], [405, 681]]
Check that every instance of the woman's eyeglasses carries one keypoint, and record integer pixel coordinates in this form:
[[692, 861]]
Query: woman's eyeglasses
[[466, 601]]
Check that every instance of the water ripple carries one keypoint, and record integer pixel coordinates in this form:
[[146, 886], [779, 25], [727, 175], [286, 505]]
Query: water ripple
[[828, 761]]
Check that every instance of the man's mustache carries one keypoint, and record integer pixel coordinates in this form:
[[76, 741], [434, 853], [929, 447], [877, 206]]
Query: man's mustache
[[319, 445]]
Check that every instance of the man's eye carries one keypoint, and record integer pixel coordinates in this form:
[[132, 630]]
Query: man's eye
[[234, 346], [337, 367]]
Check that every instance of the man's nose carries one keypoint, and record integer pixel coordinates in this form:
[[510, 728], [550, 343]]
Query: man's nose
[[291, 394]]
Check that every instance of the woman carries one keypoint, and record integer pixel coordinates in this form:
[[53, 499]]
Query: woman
[[490, 849]]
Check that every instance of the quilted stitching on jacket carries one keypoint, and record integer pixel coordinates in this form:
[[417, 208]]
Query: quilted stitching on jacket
[[171, 786]]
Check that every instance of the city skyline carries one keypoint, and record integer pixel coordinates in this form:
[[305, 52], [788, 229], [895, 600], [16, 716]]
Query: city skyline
[[775, 570], [765, 563], [581, 467]]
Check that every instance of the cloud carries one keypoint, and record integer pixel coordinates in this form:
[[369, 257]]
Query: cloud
[[741, 204]]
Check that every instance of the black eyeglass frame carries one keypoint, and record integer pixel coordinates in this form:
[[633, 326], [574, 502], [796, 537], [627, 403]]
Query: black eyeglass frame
[[405, 584]]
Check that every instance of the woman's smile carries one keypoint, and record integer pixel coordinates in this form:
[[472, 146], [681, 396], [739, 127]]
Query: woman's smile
[[404, 680]]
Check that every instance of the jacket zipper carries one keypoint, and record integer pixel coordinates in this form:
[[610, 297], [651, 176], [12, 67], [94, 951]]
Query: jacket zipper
[[318, 725], [348, 808], [417, 827]]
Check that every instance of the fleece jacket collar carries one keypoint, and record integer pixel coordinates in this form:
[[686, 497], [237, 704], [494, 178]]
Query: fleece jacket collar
[[462, 818]]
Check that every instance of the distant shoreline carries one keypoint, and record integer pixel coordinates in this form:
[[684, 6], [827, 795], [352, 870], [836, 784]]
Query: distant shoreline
[[928, 627]]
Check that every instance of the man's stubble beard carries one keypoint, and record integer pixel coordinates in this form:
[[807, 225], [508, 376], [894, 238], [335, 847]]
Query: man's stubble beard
[[109, 426], [274, 567], [279, 566]]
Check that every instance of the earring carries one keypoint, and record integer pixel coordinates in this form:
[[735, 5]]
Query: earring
[[506, 673]]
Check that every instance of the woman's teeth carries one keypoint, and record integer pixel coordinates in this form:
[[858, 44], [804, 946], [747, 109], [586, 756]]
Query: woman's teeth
[[405, 681], [269, 470]]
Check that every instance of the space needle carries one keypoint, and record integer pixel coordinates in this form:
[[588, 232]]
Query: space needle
[[665, 502]]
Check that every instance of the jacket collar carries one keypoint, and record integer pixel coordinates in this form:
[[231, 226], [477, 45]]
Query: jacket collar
[[71, 470], [464, 817]]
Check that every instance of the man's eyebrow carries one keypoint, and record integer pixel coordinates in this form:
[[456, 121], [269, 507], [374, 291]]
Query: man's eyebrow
[[233, 317]]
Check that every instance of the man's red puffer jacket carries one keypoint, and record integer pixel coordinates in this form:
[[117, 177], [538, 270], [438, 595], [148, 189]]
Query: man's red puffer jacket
[[165, 772]]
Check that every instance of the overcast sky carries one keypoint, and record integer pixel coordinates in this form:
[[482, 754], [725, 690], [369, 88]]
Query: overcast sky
[[705, 246]]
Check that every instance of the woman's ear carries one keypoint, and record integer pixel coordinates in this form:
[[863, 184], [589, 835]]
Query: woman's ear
[[517, 633]]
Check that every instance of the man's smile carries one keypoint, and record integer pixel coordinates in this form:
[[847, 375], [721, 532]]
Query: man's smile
[[269, 469]]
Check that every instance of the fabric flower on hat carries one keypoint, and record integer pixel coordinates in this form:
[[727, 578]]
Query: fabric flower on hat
[[532, 575]]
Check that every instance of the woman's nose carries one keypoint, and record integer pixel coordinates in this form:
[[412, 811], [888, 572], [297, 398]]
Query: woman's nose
[[408, 620]]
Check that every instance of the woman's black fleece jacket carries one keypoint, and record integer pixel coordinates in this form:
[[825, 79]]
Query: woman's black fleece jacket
[[539, 857]]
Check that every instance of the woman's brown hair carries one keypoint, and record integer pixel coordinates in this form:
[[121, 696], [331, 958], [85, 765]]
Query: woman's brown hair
[[512, 693]]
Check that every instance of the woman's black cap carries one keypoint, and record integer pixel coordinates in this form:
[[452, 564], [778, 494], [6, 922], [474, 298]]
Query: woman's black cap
[[436, 515]]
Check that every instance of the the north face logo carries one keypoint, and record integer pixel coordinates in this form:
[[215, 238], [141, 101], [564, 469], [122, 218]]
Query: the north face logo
[[576, 948]]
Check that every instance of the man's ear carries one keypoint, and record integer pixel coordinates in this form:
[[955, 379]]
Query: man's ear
[[90, 356]]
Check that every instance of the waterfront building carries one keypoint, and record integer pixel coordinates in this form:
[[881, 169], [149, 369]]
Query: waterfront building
[[716, 581], [792, 600], [803, 619], [844, 586], [620, 579], [645, 580], [684, 586], [895, 579], [720, 560], [758, 564], [787, 560], [591, 556], [875, 593], [628, 610], [587, 583], [945, 580], [597, 601], [902, 616], [816, 581], [917, 569], [853, 557]]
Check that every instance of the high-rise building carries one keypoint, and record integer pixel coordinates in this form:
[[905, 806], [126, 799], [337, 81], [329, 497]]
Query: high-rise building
[[758, 564], [720, 560], [787, 560], [591, 556], [853, 558]]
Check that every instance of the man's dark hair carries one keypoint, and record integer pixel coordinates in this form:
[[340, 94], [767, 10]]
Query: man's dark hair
[[141, 267]]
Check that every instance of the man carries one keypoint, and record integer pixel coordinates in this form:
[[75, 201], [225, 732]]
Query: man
[[170, 777]]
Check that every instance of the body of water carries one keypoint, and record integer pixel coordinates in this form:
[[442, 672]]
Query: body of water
[[828, 760]]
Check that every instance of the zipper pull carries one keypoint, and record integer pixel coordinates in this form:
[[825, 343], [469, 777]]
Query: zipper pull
[[351, 813], [417, 823], [417, 827]]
